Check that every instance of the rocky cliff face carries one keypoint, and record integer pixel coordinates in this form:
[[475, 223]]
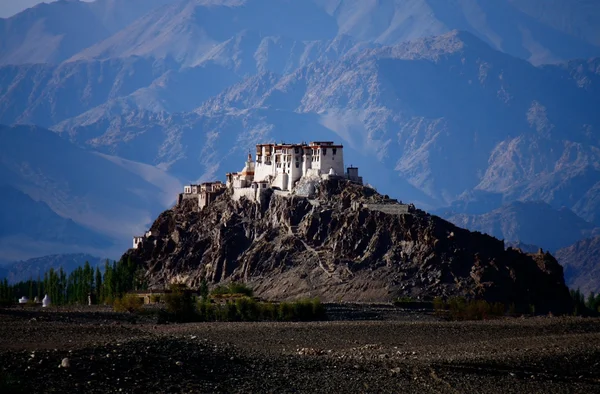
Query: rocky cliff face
[[291, 247]]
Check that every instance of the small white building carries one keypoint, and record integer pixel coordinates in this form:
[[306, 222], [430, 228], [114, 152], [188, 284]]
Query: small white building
[[137, 241]]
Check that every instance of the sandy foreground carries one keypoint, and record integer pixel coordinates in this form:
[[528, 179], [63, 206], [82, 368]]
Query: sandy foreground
[[110, 352]]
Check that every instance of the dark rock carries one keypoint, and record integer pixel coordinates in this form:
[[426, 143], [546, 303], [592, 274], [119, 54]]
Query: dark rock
[[295, 247]]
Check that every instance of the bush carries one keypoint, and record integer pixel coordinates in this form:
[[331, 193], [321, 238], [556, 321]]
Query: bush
[[460, 309], [248, 309], [439, 306], [268, 311], [181, 304], [403, 300], [285, 311], [155, 298], [233, 288], [129, 303]]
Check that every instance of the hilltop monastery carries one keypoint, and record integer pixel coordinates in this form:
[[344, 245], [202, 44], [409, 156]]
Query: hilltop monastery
[[277, 167]]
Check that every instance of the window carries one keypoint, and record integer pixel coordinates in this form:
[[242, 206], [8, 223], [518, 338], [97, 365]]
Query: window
[[296, 150], [324, 151], [297, 165], [334, 150]]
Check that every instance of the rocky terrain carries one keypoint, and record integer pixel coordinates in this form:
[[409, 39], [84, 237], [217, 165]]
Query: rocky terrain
[[327, 247], [93, 350]]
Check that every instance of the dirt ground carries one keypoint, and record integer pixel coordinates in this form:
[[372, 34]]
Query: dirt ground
[[407, 353]]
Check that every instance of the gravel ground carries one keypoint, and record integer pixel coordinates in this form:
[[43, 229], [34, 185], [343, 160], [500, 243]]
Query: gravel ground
[[110, 352]]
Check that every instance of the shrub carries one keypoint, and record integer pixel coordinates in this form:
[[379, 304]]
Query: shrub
[[181, 303], [439, 306], [155, 298], [268, 311], [403, 300], [285, 311], [233, 288], [461, 309], [129, 303], [247, 309], [203, 290]]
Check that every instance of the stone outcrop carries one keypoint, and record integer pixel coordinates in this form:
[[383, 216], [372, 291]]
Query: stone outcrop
[[291, 247]]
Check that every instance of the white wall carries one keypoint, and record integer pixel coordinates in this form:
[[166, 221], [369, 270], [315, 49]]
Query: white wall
[[249, 193]]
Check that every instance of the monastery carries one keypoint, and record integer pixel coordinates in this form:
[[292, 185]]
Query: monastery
[[277, 167]]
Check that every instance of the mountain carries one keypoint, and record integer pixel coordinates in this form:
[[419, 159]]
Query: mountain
[[25, 221], [581, 262], [288, 247], [186, 30], [36, 267], [434, 119], [50, 181], [51, 33], [534, 223], [537, 31]]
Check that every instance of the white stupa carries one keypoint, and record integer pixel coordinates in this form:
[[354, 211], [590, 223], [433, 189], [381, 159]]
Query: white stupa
[[46, 301], [23, 300]]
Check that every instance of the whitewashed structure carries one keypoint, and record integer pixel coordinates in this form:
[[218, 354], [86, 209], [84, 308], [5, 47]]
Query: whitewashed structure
[[281, 166], [205, 193], [46, 301]]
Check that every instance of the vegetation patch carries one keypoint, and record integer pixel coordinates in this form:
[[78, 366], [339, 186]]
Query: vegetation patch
[[459, 308]]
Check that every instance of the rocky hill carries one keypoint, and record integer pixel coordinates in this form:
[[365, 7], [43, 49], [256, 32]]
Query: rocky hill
[[289, 247]]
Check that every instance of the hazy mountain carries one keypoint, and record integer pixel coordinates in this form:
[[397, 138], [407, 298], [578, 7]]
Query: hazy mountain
[[51, 33], [36, 267], [45, 94], [23, 218], [111, 196], [534, 223], [527, 133], [582, 265], [535, 31], [187, 30]]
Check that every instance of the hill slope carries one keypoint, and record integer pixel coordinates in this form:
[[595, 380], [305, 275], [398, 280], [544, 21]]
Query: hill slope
[[110, 196], [296, 247]]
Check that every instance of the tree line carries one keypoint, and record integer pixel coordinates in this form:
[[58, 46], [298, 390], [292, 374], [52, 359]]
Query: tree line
[[104, 286]]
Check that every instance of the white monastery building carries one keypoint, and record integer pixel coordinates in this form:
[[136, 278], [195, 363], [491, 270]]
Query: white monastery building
[[281, 166]]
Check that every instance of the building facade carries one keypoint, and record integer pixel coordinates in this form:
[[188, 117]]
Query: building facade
[[205, 193], [280, 166]]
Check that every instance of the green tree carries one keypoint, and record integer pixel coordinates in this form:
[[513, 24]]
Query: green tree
[[98, 283], [30, 294]]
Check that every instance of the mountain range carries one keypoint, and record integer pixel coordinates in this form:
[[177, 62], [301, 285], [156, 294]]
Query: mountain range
[[483, 111], [36, 267]]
